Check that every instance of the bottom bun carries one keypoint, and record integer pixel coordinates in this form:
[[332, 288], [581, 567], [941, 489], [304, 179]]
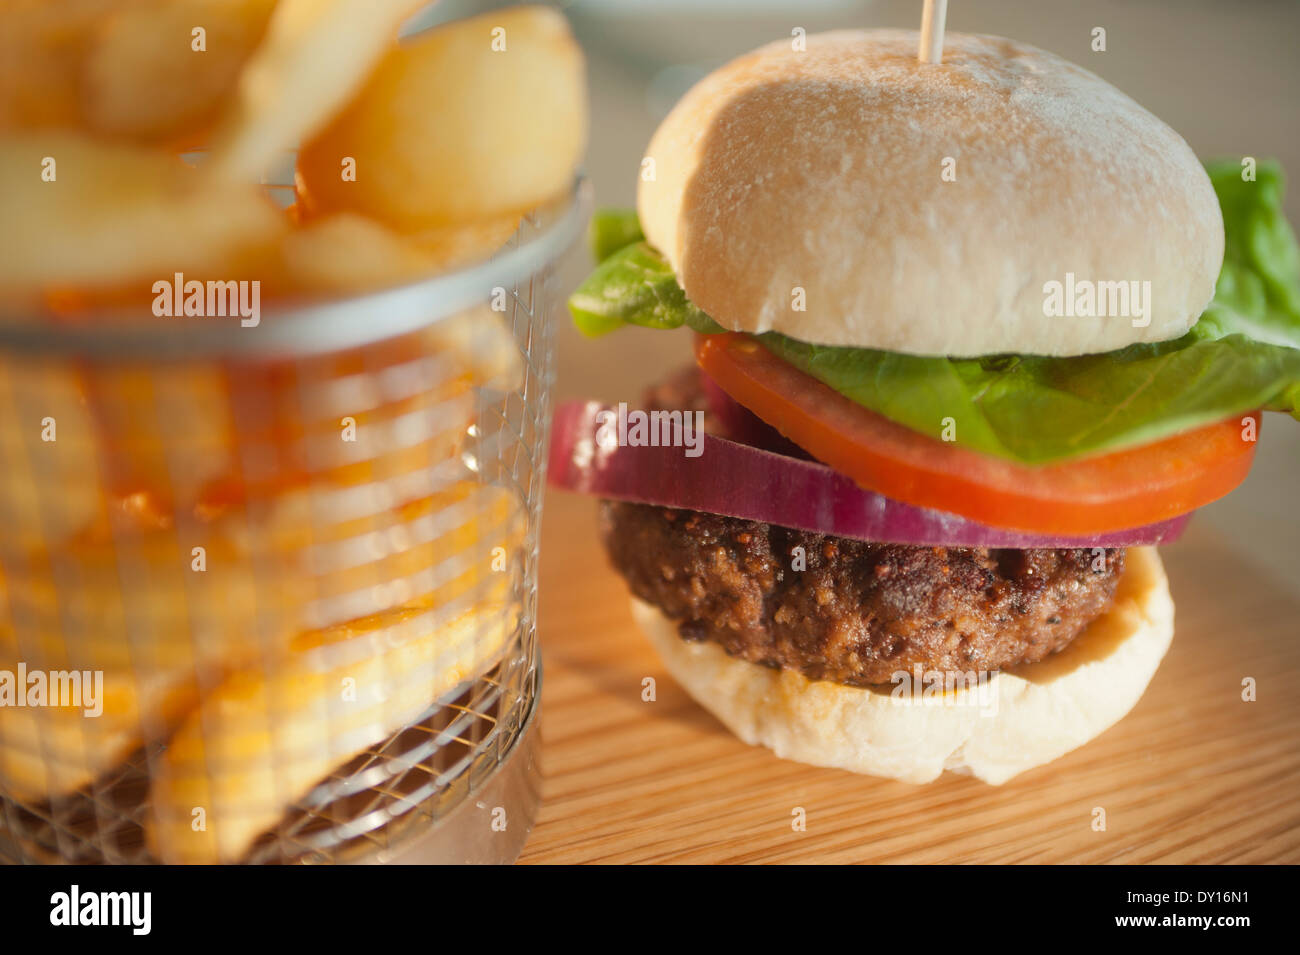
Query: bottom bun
[[912, 731]]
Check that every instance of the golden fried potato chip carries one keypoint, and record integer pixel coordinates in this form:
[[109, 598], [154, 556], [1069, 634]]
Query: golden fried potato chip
[[163, 426], [481, 338], [43, 45], [316, 54], [458, 245], [83, 213], [49, 451], [48, 751], [343, 252], [472, 120], [158, 71], [134, 602], [350, 253], [261, 739]]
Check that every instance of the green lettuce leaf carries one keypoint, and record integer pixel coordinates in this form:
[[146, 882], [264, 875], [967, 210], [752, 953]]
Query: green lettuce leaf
[[611, 230], [1243, 354], [634, 286]]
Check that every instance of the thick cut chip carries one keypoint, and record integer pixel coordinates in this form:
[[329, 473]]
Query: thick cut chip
[[261, 740], [349, 253], [461, 245], [86, 214], [71, 609], [315, 55], [163, 426], [50, 481], [472, 120], [48, 751], [344, 252], [159, 71], [43, 45]]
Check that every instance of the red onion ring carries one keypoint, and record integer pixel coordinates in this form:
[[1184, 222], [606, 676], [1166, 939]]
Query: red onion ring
[[737, 480]]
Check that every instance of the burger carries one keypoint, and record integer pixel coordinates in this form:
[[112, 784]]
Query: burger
[[971, 338]]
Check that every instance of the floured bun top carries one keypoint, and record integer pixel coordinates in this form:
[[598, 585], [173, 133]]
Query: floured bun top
[[847, 194]]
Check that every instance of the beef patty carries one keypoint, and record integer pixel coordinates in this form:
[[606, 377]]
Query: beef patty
[[844, 610], [850, 611]]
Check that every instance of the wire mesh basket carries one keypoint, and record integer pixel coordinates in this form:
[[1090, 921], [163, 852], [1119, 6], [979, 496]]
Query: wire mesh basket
[[279, 583]]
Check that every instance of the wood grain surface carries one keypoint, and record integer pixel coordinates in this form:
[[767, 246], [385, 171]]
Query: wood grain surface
[[1192, 775]]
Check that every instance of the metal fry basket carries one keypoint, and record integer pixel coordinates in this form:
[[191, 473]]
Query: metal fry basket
[[279, 583]]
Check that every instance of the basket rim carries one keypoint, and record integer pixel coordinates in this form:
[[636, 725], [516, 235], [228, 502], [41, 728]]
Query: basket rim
[[318, 327]]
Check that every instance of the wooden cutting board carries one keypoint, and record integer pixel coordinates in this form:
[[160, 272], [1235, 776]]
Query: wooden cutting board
[[1192, 775]]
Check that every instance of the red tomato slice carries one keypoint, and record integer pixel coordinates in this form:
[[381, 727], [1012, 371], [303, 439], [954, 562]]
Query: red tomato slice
[[1109, 492]]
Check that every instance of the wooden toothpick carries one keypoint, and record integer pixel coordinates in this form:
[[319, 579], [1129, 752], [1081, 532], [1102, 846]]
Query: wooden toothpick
[[931, 51]]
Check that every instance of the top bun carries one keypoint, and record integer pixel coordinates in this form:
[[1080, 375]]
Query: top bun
[[823, 170]]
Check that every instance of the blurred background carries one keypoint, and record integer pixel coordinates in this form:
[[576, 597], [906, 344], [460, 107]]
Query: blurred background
[[1222, 72]]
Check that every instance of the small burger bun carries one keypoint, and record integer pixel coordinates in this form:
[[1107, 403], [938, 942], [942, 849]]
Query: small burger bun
[[1018, 719], [849, 195]]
